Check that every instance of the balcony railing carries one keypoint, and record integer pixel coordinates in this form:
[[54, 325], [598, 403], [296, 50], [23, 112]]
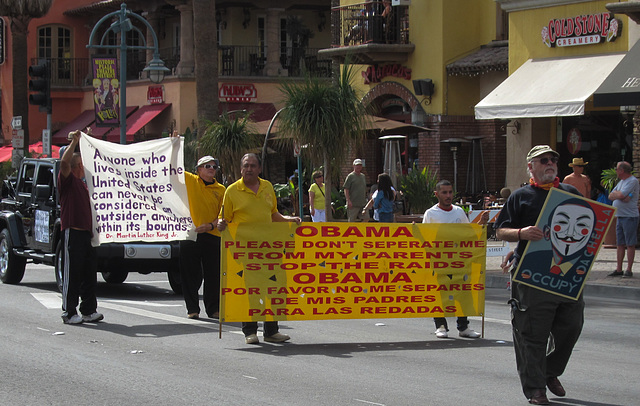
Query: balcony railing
[[369, 22], [232, 61], [69, 71], [235, 60]]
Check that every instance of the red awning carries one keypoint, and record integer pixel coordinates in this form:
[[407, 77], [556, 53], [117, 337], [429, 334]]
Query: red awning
[[34, 149], [5, 153], [111, 133], [81, 122], [143, 116]]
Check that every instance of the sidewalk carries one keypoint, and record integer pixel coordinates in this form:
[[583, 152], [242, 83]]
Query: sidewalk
[[598, 283]]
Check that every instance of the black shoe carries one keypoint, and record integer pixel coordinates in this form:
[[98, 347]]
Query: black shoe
[[539, 397], [616, 273], [555, 387]]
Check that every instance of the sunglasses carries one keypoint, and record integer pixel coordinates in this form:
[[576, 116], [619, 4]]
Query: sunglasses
[[545, 160], [209, 166]]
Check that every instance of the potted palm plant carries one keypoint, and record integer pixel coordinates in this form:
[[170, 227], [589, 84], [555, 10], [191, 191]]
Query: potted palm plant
[[228, 139], [609, 180], [417, 190]]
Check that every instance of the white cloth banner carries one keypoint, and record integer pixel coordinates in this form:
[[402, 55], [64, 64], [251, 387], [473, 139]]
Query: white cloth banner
[[137, 191]]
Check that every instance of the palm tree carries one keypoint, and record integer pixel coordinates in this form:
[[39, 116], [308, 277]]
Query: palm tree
[[206, 55], [228, 139], [20, 13], [326, 117]]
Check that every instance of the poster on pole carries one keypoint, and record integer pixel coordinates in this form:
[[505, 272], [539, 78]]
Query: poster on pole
[[106, 91], [137, 191], [574, 230], [319, 271]]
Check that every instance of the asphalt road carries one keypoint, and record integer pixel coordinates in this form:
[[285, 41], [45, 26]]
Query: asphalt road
[[146, 352]]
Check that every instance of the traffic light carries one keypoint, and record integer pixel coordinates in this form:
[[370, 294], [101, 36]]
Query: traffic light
[[41, 85]]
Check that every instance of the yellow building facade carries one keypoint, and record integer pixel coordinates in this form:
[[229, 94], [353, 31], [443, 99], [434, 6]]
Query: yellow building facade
[[559, 53], [434, 61]]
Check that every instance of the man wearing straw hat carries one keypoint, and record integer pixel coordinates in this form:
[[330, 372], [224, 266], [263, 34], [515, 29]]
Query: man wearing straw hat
[[578, 179]]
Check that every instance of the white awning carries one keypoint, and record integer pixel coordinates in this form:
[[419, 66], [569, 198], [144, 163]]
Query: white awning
[[548, 88]]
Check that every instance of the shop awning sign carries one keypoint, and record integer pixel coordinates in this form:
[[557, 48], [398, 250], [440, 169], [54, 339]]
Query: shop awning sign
[[235, 92], [581, 30]]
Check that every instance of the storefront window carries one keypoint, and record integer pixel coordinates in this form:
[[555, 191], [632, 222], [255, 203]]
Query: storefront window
[[600, 138]]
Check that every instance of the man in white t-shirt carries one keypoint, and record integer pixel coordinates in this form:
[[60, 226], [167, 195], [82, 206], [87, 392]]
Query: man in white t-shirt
[[446, 212]]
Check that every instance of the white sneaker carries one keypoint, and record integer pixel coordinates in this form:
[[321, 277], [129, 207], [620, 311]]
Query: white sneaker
[[251, 339], [92, 318], [469, 333], [277, 338], [75, 319], [441, 332]]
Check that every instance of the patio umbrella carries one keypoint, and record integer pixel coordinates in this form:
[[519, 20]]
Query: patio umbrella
[[384, 125], [388, 126]]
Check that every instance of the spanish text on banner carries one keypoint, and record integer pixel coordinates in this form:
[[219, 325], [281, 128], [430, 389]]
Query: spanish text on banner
[[313, 271]]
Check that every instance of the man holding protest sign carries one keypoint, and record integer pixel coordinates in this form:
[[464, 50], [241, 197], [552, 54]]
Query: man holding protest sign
[[79, 280], [200, 259], [253, 200], [445, 212], [538, 317]]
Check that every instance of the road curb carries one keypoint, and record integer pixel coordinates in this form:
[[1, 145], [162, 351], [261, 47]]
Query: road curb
[[594, 289]]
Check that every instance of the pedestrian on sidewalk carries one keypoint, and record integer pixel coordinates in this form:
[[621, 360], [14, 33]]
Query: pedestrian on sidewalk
[[578, 179], [446, 212], [538, 317], [317, 197], [355, 191], [625, 200], [382, 200]]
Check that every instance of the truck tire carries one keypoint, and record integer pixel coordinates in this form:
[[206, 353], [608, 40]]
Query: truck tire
[[58, 266], [114, 277], [11, 265], [175, 281]]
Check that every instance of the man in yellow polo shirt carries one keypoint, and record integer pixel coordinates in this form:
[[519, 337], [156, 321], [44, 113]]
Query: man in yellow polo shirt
[[252, 200], [200, 259]]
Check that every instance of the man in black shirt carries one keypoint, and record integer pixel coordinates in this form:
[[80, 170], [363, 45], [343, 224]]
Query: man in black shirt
[[538, 316]]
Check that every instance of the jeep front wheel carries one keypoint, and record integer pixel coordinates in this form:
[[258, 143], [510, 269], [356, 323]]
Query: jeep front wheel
[[11, 265], [175, 280]]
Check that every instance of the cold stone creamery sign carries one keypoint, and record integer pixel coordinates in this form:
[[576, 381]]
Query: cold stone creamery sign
[[581, 30]]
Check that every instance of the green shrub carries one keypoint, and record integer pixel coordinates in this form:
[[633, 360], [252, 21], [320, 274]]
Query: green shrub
[[417, 189]]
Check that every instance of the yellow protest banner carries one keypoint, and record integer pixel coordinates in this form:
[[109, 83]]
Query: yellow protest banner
[[314, 271]]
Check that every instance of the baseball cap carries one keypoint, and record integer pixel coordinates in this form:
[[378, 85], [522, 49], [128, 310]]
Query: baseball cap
[[357, 161], [539, 150], [205, 159]]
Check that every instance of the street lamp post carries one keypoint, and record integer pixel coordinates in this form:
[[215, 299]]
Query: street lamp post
[[156, 69]]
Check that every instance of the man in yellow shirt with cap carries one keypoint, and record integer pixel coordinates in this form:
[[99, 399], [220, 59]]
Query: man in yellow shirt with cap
[[200, 259]]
